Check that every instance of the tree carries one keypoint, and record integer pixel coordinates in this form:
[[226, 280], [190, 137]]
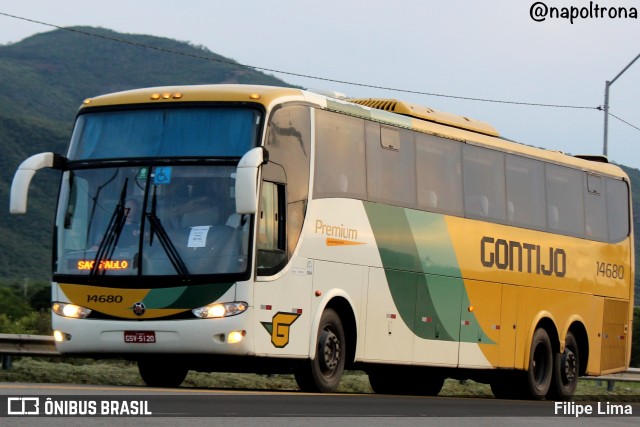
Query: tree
[[13, 306]]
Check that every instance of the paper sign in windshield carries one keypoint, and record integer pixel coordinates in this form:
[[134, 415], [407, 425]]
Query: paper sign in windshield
[[198, 236]]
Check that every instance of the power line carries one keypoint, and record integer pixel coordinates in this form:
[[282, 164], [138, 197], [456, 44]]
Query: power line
[[289, 73], [624, 121]]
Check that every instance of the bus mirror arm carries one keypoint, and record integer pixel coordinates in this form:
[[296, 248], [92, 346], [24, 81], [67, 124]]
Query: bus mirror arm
[[247, 180], [24, 175]]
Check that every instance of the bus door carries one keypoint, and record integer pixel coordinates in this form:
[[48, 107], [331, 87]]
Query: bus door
[[282, 292]]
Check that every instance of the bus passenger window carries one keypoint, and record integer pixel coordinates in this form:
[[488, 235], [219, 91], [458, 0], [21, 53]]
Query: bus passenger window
[[477, 205], [438, 174], [484, 183], [565, 199], [431, 199], [511, 211], [617, 209], [553, 217], [391, 164], [340, 156], [526, 204], [595, 209]]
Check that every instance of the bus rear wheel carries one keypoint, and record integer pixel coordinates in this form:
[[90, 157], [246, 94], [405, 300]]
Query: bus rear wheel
[[535, 382], [324, 372], [162, 372], [566, 370], [538, 376]]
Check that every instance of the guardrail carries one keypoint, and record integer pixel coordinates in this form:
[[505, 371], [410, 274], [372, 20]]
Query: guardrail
[[44, 345], [28, 345], [632, 375], [25, 345]]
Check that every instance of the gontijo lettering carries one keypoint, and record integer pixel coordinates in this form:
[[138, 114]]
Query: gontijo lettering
[[522, 257]]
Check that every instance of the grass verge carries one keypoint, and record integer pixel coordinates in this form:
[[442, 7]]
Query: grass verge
[[123, 373]]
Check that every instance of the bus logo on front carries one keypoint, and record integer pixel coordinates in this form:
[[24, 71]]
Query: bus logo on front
[[279, 328]]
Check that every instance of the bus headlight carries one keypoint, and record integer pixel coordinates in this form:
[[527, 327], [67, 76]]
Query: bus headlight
[[70, 310], [225, 309]]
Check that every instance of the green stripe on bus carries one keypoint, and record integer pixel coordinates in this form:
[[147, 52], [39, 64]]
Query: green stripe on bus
[[422, 271], [186, 296]]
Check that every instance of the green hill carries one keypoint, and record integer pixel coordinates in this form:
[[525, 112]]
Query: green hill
[[43, 80]]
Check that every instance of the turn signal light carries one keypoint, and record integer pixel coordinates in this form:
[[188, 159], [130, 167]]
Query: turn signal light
[[166, 95]]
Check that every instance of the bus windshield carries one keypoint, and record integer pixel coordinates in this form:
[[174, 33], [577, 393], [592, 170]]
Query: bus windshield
[[176, 220], [164, 132]]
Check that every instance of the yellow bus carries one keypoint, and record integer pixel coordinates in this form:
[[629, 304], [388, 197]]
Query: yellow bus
[[263, 229]]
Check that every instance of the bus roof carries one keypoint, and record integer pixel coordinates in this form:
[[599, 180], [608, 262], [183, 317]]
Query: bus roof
[[394, 112], [197, 93], [429, 114]]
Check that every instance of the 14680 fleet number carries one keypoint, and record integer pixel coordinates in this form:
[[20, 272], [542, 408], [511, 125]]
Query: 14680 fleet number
[[612, 271], [105, 298]]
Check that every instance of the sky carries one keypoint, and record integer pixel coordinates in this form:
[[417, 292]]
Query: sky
[[489, 49]]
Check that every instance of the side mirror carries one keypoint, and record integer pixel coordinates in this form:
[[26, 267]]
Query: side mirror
[[247, 180], [24, 174]]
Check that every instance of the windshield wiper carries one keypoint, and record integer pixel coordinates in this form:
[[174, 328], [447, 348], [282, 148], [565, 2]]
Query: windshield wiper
[[111, 236], [168, 246]]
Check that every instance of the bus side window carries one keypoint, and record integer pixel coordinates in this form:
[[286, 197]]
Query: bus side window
[[565, 199], [553, 217], [431, 199], [511, 211], [595, 208], [340, 169], [526, 199], [271, 243], [438, 174], [477, 205], [484, 183], [617, 193]]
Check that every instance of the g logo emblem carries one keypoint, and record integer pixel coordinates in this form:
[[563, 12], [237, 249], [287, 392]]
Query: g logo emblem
[[279, 328]]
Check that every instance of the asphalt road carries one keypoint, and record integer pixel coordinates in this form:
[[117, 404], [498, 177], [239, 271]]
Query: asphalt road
[[142, 406]]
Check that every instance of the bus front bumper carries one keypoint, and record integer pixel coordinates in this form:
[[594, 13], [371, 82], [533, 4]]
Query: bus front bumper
[[224, 336]]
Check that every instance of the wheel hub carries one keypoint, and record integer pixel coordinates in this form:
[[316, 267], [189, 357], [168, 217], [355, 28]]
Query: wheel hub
[[330, 348], [569, 366]]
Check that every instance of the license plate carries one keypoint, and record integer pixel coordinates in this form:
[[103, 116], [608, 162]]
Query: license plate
[[139, 337]]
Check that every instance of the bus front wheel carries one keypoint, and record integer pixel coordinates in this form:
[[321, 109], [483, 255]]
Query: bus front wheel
[[162, 372], [323, 373]]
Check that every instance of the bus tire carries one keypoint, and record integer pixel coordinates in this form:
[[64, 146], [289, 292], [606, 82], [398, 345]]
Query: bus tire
[[538, 376], [324, 372], [502, 388], [406, 380], [508, 385], [162, 372], [384, 382], [566, 370], [428, 383]]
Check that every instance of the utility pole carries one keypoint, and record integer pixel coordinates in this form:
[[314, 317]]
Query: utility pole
[[607, 85]]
